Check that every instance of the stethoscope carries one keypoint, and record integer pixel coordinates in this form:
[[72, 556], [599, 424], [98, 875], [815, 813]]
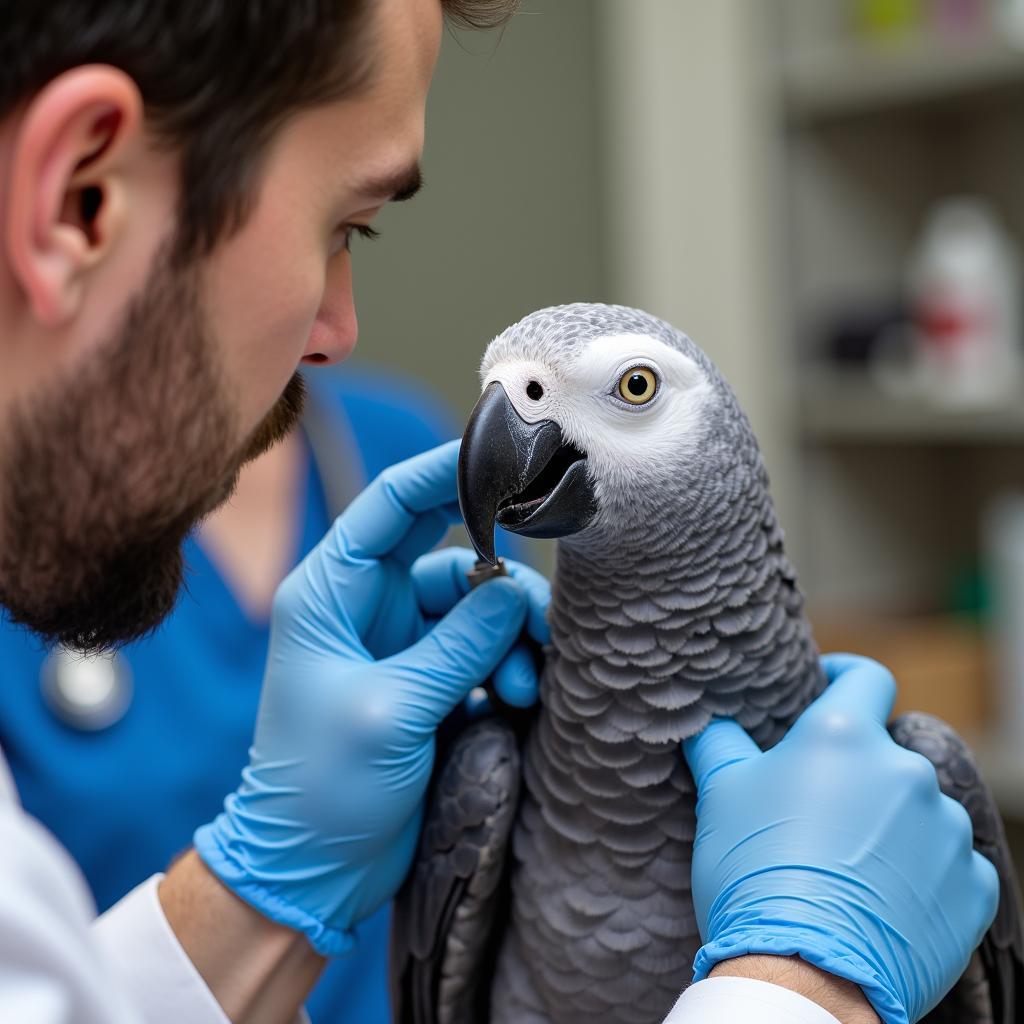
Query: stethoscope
[[87, 692], [91, 693]]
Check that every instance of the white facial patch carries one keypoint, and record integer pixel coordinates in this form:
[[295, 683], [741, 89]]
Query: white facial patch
[[582, 397]]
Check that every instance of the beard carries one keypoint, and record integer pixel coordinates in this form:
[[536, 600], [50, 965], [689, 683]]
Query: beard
[[106, 474]]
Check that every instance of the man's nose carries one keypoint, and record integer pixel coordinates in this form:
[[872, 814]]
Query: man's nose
[[334, 333]]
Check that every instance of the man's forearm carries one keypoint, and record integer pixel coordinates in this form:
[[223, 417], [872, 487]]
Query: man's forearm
[[259, 971], [844, 1000]]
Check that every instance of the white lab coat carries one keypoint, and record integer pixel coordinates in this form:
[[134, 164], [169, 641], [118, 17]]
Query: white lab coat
[[59, 964]]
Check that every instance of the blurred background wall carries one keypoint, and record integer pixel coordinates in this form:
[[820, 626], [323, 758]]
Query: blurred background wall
[[826, 194]]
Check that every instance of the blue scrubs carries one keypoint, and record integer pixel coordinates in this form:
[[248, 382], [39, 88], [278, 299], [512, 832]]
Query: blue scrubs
[[125, 800]]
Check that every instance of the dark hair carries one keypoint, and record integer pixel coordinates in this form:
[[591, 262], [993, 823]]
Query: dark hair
[[218, 77]]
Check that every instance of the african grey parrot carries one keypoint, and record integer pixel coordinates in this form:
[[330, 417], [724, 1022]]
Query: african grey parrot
[[552, 884]]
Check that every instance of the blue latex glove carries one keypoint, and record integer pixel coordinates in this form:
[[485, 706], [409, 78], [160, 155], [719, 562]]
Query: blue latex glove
[[838, 846], [371, 646]]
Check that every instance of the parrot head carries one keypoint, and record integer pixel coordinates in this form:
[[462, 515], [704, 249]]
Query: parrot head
[[596, 421]]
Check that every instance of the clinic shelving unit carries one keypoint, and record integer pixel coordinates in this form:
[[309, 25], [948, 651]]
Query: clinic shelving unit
[[894, 489], [872, 136], [850, 408], [841, 81]]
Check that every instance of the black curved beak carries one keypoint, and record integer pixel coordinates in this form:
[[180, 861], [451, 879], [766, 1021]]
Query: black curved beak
[[523, 476]]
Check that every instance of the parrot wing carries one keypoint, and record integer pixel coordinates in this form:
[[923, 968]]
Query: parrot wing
[[445, 925], [991, 991]]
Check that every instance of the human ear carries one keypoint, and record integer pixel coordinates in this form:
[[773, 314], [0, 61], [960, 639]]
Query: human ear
[[67, 199]]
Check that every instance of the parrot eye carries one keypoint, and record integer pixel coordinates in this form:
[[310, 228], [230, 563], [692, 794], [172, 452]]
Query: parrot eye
[[638, 386], [534, 391]]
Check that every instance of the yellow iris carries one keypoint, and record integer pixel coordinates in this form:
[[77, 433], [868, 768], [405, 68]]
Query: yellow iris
[[638, 386]]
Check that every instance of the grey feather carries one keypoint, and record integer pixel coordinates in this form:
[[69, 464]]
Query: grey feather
[[993, 987], [446, 914]]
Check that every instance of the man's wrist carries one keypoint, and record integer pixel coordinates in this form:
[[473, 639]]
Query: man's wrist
[[843, 999], [258, 970]]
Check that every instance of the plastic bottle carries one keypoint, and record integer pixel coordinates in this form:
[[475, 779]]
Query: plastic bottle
[[965, 297]]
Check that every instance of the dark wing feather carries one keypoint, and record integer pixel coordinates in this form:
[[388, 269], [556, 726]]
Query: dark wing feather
[[992, 989], [443, 929]]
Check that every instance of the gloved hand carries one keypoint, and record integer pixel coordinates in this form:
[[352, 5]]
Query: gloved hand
[[838, 846], [371, 646]]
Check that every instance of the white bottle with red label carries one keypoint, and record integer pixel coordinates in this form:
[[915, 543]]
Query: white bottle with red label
[[965, 296]]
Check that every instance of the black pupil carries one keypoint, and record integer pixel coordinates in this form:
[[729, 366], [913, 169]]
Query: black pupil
[[638, 385], [534, 391]]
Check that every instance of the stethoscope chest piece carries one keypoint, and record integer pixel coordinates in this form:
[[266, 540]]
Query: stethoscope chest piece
[[87, 692]]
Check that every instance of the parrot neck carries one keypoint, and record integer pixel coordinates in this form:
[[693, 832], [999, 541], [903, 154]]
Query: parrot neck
[[650, 641], [621, 627]]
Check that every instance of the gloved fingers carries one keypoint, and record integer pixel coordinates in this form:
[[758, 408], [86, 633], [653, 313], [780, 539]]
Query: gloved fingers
[[859, 688], [461, 651], [378, 519], [838, 662], [439, 579], [425, 533], [538, 597], [722, 743], [985, 882], [922, 782], [515, 679]]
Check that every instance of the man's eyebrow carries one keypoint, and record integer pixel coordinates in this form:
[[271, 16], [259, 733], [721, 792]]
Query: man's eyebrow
[[396, 187]]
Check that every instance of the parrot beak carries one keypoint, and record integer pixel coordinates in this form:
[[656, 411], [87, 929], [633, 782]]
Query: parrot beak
[[524, 476]]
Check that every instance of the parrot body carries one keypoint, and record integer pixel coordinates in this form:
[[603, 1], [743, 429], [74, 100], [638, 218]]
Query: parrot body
[[673, 602], [602, 920]]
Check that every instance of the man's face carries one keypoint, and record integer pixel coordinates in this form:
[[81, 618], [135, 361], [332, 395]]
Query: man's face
[[107, 462]]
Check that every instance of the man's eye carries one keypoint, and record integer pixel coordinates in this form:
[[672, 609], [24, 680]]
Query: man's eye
[[341, 240], [362, 230]]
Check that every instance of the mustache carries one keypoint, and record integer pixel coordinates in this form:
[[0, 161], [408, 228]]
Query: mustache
[[279, 422], [274, 427]]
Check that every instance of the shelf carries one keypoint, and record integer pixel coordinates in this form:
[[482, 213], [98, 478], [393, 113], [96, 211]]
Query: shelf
[[831, 85], [839, 407]]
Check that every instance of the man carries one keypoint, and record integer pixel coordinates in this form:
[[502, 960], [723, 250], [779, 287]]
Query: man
[[180, 184]]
